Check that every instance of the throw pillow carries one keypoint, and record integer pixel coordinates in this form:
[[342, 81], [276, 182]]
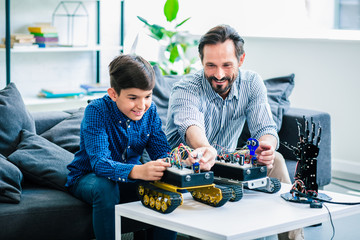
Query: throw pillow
[[66, 134], [278, 92], [161, 93], [10, 182], [13, 118], [41, 161]]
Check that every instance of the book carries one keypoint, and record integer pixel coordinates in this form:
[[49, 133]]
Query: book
[[50, 35], [46, 39], [49, 93], [47, 44], [95, 88], [42, 29]]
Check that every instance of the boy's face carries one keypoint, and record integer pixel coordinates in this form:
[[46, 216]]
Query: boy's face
[[132, 102]]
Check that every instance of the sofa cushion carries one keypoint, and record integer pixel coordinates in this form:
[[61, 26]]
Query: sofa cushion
[[13, 118], [66, 134], [161, 93], [41, 161], [278, 92], [10, 182]]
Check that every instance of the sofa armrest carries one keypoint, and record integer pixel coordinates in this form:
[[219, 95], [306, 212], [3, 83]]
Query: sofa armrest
[[289, 133]]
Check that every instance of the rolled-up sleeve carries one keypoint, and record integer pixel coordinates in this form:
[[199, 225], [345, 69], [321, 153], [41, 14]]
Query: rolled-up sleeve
[[258, 112]]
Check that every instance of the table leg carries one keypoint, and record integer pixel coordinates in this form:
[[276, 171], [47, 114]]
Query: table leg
[[117, 226]]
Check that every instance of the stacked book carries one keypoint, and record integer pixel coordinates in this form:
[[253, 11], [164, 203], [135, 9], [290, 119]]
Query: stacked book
[[95, 88], [61, 93], [45, 35], [20, 40]]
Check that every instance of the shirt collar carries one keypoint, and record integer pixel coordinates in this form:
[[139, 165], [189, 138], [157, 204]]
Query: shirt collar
[[115, 111], [234, 91]]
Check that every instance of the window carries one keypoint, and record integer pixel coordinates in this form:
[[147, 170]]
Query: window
[[348, 14]]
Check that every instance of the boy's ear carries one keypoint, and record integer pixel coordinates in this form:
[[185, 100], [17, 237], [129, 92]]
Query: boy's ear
[[112, 94]]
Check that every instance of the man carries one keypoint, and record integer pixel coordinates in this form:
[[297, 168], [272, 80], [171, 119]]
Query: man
[[210, 107]]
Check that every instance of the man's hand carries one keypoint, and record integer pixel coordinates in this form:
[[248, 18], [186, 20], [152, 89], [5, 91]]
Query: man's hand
[[205, 155], [150, 171], [265, 154]]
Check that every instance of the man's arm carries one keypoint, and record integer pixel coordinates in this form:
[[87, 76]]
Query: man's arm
[[196, 138]]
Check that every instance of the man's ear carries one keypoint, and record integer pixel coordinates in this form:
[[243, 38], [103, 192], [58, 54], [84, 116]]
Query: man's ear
[[242, 58], [112, 94]]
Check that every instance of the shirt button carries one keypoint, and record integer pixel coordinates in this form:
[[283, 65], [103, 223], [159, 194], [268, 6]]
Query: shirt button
[[109, 178], [128, 146], [119, 179], [129, 126], [128, 120], [119, 121], [148, 135]]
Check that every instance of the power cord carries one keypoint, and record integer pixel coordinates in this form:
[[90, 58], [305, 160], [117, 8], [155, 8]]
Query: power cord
[[331, 221]]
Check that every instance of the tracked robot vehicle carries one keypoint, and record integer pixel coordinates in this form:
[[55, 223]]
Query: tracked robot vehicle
[[165, 196], [239, 169]]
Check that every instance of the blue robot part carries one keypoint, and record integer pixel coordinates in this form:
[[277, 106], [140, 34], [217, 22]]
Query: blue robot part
[[252, 144]]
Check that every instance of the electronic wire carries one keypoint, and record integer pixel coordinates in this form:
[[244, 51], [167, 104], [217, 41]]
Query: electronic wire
[[331, 221]]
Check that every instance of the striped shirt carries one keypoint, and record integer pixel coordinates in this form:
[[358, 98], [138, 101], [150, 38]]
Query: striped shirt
[[194, 102], [111, 143]]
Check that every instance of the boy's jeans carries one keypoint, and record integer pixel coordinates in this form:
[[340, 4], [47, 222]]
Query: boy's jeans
[[103, 194]]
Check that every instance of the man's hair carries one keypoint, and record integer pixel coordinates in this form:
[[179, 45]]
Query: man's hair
[[131, 71], [220, 34]]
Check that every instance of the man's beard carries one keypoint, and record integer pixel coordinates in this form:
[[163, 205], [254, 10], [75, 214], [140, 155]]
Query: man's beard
[[218, 88]]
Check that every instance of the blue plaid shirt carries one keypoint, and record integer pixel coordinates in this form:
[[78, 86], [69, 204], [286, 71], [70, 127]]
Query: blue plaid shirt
[[194, 102], [111, 143]]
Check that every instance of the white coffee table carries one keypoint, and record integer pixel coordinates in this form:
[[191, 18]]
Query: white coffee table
[[256, 215]]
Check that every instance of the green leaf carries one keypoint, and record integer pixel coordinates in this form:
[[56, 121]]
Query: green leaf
[[171, 9], [157, 31], [174, 54], [143, 20], [182, 22], [170, 34]]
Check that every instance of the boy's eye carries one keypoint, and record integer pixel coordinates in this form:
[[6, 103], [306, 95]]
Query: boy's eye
[[132, 98]]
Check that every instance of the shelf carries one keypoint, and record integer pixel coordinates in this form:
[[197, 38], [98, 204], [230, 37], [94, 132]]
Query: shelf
[[36, 104], [63, 49]]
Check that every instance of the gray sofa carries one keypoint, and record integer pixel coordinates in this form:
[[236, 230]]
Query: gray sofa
[[45, 210]]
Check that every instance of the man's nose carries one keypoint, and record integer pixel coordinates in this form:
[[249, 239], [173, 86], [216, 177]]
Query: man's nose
[[220, 73]]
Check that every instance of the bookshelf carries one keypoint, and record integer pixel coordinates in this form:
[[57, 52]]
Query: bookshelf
[[93, 50]]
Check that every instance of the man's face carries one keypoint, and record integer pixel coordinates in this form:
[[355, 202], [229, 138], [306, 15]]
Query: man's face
[[221, 66], [132, 102]]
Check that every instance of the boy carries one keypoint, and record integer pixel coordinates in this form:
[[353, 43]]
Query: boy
[[114, 132]]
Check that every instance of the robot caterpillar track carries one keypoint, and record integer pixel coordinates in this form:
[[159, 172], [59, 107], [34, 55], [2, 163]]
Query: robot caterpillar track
[[165, 198], [237, 178]]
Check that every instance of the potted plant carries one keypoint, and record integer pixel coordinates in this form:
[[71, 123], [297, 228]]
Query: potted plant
[[174, 56]]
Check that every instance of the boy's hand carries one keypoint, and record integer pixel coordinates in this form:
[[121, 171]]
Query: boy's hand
[[150, 171], [204, 155]]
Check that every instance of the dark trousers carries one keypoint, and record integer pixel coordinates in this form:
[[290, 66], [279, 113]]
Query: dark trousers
[[103, 194]]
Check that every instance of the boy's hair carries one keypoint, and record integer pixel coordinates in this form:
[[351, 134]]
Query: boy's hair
[[220, 34], [131, 71]]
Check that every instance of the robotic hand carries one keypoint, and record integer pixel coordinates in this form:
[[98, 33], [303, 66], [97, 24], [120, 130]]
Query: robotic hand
[[306, 151]]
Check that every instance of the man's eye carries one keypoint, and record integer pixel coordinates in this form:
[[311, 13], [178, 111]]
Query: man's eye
[[148, 97], [132, 98]]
